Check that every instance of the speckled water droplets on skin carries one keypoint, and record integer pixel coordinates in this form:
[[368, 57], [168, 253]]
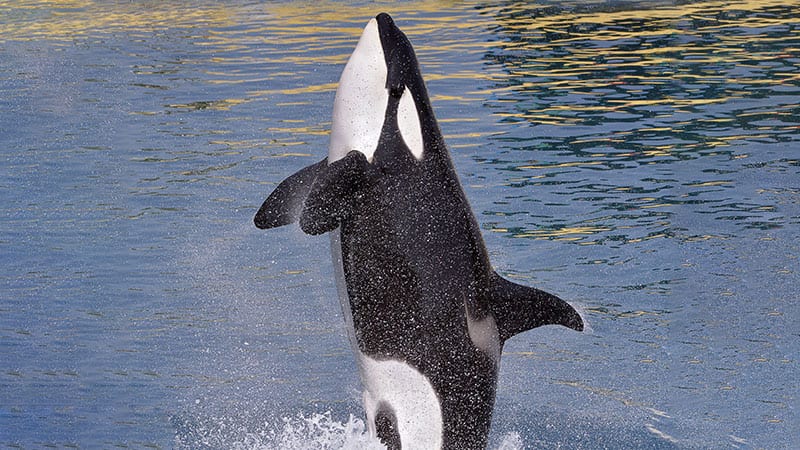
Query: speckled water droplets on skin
[[637, 159]]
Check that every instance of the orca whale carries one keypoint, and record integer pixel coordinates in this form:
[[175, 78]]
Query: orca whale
[[426, 314]]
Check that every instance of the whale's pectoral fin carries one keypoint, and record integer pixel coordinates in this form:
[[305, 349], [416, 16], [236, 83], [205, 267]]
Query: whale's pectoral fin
[[520, 308], [285, 203], [333, 193]]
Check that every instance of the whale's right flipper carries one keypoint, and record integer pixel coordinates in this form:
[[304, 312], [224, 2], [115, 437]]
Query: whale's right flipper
[[285, 203]]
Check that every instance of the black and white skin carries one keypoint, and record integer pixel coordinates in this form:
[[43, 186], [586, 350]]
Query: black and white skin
[[426, 313]]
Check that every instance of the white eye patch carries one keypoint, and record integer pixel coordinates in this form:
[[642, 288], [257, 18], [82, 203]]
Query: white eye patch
[[408, 124]]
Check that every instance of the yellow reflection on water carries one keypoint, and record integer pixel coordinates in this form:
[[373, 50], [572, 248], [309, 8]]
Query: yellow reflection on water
[[565, 68], [66, 20], [566, 233]]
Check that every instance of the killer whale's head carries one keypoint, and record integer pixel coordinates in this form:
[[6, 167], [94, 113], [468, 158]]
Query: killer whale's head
[[380, 93]]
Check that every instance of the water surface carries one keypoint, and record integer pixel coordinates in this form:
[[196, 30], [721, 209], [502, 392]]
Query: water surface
[[639, 159]]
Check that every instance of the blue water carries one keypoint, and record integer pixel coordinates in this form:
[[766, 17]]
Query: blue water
[[639, 159]]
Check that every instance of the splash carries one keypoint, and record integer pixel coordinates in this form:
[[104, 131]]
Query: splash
[[511, 441], [314, 432], [319, 431], [301, 432]]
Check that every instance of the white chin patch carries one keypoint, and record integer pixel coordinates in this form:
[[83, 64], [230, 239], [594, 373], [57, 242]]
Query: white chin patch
[[408, 124], [361, 99]]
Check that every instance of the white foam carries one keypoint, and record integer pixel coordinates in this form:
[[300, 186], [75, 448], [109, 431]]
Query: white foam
[[318, 431], [511, 441], [315, 432]]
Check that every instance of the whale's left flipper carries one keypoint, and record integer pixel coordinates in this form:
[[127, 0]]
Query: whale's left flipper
[[333, 193], [519, 308], [285, 204]]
